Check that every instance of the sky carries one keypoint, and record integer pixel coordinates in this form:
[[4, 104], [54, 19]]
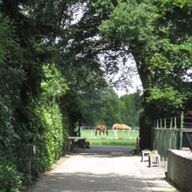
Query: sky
[[124, 81], [136, 84], [132, 81]]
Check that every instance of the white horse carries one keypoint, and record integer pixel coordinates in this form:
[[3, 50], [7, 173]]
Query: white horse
[[121, 127]]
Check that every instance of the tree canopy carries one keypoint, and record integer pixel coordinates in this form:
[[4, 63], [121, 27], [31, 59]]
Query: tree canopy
[[57, 65], [158, 34]]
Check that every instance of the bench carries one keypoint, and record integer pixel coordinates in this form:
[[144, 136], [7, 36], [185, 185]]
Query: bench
[[154, 159], [76, 141], [144, 154]]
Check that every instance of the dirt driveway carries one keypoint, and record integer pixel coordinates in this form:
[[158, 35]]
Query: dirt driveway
[[106, 169]]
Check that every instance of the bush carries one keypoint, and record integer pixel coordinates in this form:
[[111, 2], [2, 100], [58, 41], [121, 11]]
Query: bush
[[44, 127], [10, 179]]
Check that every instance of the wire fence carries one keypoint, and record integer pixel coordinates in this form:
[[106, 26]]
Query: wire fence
[[172, 133]]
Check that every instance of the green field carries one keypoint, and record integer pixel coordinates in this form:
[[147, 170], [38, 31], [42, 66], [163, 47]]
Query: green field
[[122, 138]]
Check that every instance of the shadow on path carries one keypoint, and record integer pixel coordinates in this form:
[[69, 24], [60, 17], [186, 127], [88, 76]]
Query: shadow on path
[[106, 151], [104, 169], [83, 182]]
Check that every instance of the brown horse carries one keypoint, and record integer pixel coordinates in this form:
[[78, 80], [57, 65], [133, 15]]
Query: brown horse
[[101, 128]]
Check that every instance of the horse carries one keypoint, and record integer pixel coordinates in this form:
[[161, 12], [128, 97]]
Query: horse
[[121, 127], [101, 128]]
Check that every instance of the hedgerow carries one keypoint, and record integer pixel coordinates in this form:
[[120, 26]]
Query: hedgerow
[[43, 131]]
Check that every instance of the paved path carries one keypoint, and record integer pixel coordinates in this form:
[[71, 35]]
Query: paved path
[[104, 170]]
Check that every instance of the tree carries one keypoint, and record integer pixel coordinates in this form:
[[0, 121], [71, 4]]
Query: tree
[[11, 77], [133, 107], [80, 49], [30, 112], [158, 34]]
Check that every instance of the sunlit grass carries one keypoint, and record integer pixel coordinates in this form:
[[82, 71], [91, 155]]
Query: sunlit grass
[[113, 142], [120, 138]]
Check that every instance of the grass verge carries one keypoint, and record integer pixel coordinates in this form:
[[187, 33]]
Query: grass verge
[[113, 142]]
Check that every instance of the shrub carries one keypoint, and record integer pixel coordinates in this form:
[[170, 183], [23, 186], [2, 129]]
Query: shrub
[[10, 179]]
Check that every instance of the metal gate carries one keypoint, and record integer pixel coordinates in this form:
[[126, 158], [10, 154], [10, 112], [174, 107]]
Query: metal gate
[[172, 133]]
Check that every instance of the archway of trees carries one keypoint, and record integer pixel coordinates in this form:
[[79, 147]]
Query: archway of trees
[[54, 58]]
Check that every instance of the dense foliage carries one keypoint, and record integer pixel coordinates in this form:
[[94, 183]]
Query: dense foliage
[[158, 34], [107, 108], [33, 130], [9, 177], [48, 127], [50, 78], [11, 76], [57, 59]]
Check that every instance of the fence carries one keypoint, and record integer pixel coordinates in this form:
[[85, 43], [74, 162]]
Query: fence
[[172, 133], [112, 134]]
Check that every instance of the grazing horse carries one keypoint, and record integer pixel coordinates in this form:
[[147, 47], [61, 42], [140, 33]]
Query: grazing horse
[[121, 127], [101, 128]]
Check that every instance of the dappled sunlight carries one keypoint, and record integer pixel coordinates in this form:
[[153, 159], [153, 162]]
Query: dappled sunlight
[[82, 182], [98, 165], [102, 172], [109, 151]]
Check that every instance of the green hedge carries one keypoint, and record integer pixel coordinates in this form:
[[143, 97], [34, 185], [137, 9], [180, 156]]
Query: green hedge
[[10, 178], [30, 112], [36, 134], [46, 125], [51, 142]]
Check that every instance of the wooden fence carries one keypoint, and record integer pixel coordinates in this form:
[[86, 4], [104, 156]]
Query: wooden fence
[[172, 133]]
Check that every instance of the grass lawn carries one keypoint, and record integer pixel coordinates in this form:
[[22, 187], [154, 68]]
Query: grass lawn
[[120, 138], [113, 142]]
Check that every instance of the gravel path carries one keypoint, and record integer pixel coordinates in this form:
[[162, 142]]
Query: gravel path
[[103, 169]]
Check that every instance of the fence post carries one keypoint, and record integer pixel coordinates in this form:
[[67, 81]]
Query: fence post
[[175, 122], [175, 134], [161, 126], [181, 132], [171, 123], [157, 124], [165, 123]]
